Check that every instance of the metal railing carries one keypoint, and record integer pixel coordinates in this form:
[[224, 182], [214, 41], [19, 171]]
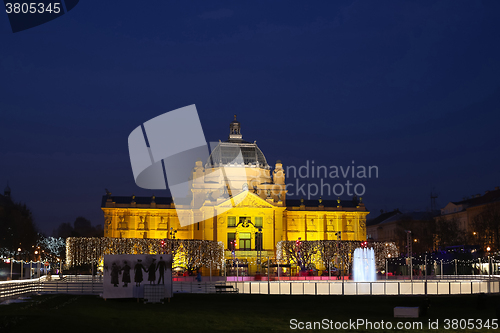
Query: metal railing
[[85, 284], [194, 287], [75, 285], [12, 289]]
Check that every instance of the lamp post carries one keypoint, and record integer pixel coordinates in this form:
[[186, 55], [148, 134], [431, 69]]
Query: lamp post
[[299, 256], [268, 278], [278, 262], [387, 265], [489, 269], [258, 245], [339, 239], [456, 268], [233, 252], [172, 237], [172, 233], [425, 268], [409, 251], [489, 261], [36, 258], [22, 264]]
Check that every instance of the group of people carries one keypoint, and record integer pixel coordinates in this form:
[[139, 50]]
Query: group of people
[[139, 268]]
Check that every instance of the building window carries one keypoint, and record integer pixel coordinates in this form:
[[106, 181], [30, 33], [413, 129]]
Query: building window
[[244, 241], [258, 221], [231, 221], [231, 236], [244, 218]]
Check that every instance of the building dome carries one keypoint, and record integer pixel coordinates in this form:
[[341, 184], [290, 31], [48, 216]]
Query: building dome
[[226, 152]]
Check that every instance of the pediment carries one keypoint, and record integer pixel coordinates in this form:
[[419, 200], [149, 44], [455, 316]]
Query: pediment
[[245, 199]]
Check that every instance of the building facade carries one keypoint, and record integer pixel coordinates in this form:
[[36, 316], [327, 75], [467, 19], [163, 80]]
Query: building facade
[[393, 227], [251, 222], [477, 218]]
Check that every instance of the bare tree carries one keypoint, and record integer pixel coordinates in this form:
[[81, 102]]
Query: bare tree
[[300, 253], [487, 227], [449, 232]]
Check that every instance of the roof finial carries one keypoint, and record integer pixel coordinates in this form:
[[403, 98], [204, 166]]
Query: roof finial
[[235, 130]]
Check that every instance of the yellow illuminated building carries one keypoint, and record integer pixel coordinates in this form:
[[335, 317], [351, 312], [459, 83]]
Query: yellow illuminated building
[[262, 217]]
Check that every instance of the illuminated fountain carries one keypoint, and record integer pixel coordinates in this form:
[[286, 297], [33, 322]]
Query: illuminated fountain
[[363, 265]]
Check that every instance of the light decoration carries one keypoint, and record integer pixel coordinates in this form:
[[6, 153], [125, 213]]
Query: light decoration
[[332, 251], [189, 254], [53, 247]]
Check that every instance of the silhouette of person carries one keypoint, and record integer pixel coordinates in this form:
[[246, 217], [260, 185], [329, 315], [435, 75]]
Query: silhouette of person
[[162, 266], [138, 268], [126, 274], [115, 270], [152, 272]]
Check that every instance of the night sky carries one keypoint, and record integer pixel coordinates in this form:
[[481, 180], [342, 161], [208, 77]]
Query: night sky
[[411, 87]]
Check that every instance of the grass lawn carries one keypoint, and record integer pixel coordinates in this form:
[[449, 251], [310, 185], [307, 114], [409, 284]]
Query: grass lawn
[[230, 312]]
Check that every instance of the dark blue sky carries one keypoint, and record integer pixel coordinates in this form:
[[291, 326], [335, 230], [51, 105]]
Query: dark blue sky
[[411, 87]]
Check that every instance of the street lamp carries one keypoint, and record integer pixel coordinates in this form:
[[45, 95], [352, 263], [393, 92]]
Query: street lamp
[[172, 236], [232, 247], [489, 261], [387, 265], [409, 252], [298, 243], [339, 238], [258, 235], [172, 233], [22, 263]]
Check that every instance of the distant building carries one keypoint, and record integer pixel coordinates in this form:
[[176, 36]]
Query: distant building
[[466, 213], [392, 227]]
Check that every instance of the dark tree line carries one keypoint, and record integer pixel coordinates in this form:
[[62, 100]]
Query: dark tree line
[[17, 229], [81, 227]]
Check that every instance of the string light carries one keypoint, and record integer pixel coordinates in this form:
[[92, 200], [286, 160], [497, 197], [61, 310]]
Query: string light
[[309, 254], [187, 253]]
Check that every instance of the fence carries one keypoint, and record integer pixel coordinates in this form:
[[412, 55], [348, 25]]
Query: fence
[[86, 285], [10, 289], [390, 287], [194, 287], [75, 285]]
